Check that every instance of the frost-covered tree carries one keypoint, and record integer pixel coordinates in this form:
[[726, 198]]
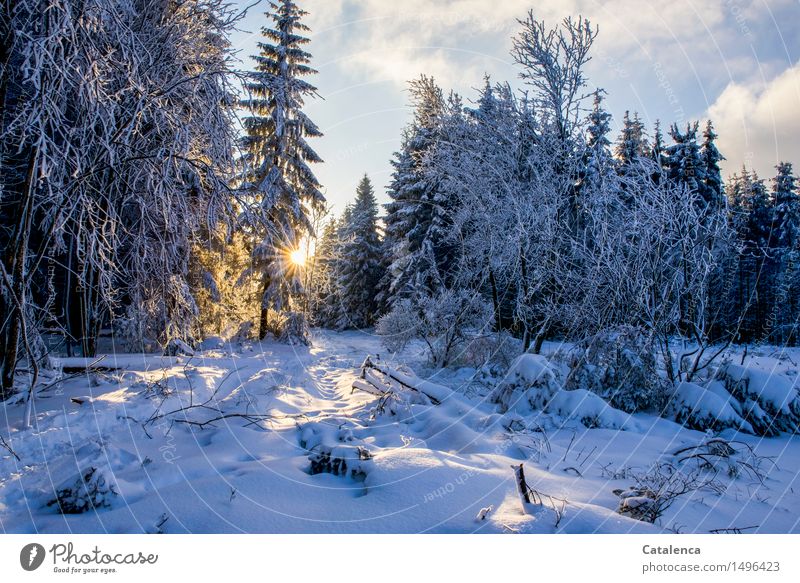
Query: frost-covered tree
[[787, 207], [180, 145], [597, 166], [278, 180], [324, 297], [225, 303], [445, 320], [417, 216], [553, 64], [786, 254], [632, 143], [359, 261], [711, 187], [110, 176], [684, 162]]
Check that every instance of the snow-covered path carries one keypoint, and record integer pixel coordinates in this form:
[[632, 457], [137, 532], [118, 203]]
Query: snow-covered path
[[418, 468]]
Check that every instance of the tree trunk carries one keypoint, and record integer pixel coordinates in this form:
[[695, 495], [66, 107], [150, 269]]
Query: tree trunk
[[498, 323], [263, 319], [17, 259]]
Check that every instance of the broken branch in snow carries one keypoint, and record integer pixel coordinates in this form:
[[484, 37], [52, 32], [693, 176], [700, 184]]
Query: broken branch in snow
[[434, 392], [77, 371], [252, 419], [369, 386], [5, 445], [732, 529]]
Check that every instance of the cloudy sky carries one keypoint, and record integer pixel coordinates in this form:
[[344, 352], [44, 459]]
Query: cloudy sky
[[735, 61]]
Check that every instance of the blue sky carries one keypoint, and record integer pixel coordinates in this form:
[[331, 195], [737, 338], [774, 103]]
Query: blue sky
[[734, 61]]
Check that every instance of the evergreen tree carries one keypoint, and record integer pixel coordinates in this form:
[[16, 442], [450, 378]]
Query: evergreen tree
[[325, 298], [632, 143], [359, 261], [787, 255], [711, 186], [684, 163], [598, 146], [597, 172], [787, 207], [278, 179], [657, 153], [414, 240], [738, 195], [760, 234], [752, 218]]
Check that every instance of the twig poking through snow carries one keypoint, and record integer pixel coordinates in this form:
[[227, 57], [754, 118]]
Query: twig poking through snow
[[483, 513]]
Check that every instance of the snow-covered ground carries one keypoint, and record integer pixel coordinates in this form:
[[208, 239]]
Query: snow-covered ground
[[273, 462]]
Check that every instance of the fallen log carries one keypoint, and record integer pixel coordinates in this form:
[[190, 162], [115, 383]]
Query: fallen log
[[367, 387], [436, 393]]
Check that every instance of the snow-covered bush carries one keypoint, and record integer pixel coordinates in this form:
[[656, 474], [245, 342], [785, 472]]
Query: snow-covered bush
[[704, 408], [619, 365], [289, 327], [445, 322], [769, 401], [177, 347], [657, 489], [530, 382], [720, 456], [92, 490], [497, 350], [294, 329]]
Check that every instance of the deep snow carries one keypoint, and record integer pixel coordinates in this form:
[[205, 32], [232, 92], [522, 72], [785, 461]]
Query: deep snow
[[426, 468]]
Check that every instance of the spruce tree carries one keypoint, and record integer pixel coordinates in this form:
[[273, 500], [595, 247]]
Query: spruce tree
[[657, 153], [632, 143], [787, 254], [278, 180], [684, 163], [597, 158], [415, 256], [711, 186], [360, 262], [325, 304], [787, 207]]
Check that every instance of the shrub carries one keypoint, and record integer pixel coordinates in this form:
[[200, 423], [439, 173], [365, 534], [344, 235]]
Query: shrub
[[445, 322], [619, 365]]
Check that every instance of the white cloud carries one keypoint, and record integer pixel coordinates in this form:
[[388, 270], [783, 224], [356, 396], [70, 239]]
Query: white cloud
[[759, 125], [398, 40]]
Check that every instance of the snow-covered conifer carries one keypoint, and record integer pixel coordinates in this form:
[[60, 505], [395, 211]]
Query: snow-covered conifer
[[278, 181], [359, 263]]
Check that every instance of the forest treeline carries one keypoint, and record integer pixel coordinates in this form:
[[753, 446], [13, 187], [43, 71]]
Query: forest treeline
[[149, 188]]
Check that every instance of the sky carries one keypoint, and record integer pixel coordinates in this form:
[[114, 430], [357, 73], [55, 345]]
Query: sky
[[733, 61]]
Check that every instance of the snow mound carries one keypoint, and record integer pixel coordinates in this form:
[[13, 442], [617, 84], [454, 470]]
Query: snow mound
[[91, 490], [332, 451], [770, 401], [589, 409], [531, 385], [212, 343], [704, 408], [532, 370]]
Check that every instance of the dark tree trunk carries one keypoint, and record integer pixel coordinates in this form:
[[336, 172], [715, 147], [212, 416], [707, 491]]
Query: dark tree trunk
[[16, 260], [498, 318]]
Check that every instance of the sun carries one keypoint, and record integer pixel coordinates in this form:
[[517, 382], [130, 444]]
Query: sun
[[298, 257]]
